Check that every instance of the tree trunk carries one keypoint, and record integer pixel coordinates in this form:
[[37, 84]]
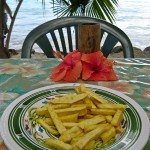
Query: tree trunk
[[89, 38], [12, 23], [1, 27], [3, 51]]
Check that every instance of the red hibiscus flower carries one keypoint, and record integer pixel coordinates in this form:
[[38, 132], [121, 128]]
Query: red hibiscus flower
[[96, 67], [70, 69]]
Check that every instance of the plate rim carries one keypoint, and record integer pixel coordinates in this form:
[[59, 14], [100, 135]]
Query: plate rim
[[145, 127]]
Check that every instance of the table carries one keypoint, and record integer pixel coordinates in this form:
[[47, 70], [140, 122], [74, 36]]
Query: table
[[19, 76]]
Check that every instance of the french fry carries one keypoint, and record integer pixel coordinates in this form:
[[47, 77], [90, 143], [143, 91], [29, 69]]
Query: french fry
[[41, 111], [70, 133], [94, 126], [90, 145], [73, 129], [117, 118], [88, 112], [80, 119], [49, 121], [78, 102], [88, 116], [83, 89], [118, 129], [106, 136], [88, 101], [61, 129], [75, 140], [69, 99], [96, 102], [88, 106], [69, 118], [60, 106], [80, 110], [96, 97], [69, 125], [88, 122], [103, 111], [112, 106], [47, 127], [81, 134], [92, 135], [55, 143], [109, 118], [77, 90], [46, 105]]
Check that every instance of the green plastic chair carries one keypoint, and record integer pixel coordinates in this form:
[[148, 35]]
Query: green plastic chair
[[61, 34]]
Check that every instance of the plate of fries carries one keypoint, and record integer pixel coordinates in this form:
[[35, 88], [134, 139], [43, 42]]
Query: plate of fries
[[74, 116]]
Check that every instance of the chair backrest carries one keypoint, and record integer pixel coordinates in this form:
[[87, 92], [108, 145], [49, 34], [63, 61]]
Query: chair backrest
[[61, 34]]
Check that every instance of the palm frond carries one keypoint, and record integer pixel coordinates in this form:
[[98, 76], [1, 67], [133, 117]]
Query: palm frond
[[103, 9]]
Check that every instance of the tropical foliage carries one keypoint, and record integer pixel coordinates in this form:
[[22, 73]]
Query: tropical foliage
[[103, 9]]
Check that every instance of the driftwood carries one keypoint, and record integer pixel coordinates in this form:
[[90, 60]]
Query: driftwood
[[89, 38]]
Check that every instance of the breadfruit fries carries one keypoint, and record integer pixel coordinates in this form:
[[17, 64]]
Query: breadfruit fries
[[80, 120]]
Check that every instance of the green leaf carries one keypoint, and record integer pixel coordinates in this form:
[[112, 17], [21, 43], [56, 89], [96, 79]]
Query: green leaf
[[103, 9]]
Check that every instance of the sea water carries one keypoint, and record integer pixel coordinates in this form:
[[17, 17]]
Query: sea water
[[133, 17]]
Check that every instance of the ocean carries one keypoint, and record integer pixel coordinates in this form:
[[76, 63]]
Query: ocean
[[133, 17]]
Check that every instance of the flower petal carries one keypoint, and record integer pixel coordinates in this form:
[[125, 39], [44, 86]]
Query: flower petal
[[57, 76], [93, 58], [97, 67], [70, 69], [86, 71], [73, 74], [59, 67], [72, 57], [102, 76]]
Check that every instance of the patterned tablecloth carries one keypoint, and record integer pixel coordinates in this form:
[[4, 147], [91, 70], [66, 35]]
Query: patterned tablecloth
[[19, 76]]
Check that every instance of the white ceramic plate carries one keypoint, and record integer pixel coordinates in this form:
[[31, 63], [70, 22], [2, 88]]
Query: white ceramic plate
[[20, 131]]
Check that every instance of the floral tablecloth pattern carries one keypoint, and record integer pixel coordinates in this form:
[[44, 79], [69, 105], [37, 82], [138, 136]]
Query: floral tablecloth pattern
[[19, 76]]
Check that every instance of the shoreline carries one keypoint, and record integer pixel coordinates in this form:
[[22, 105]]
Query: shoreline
[[116, 53]]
